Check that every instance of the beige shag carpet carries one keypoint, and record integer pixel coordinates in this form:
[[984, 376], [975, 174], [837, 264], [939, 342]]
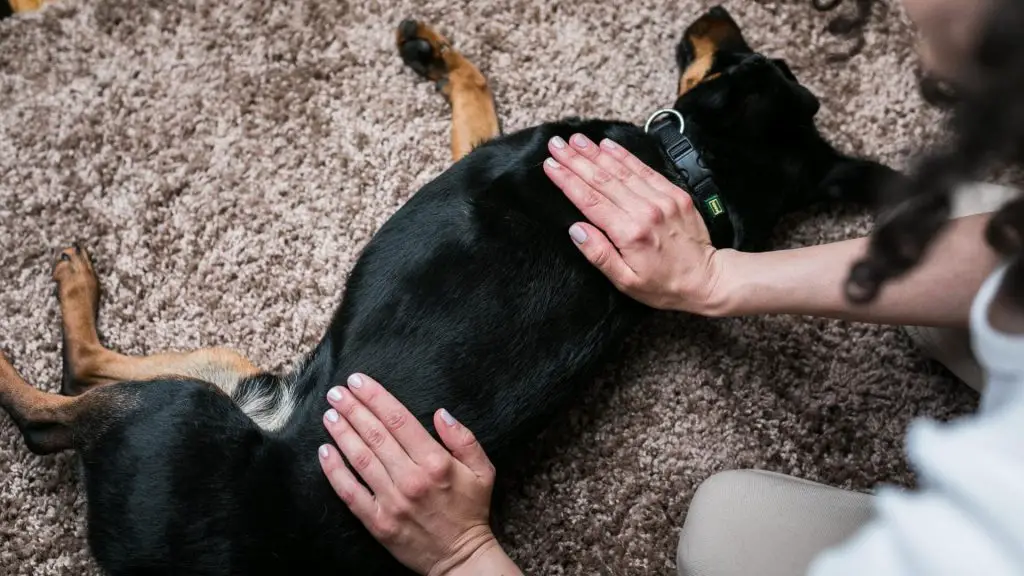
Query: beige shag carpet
[[226, 161]]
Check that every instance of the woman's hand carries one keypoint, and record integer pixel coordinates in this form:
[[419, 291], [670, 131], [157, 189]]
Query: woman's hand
[[650, 241], [429, 507]]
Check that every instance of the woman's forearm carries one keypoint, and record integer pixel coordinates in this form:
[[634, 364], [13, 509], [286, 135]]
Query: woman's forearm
[[809, 281]]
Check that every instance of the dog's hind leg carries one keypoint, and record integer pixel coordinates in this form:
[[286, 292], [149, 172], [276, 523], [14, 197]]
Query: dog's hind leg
[[50, 422], [87, 363], [474, 118], [44, 419]]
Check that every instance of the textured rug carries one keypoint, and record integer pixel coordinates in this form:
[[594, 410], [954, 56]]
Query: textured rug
[[226, 161]]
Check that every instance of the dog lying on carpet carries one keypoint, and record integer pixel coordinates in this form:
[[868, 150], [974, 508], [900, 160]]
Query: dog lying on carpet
[[471, 296]]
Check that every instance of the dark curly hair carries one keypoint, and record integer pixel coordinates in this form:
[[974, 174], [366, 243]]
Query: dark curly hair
[[846, 25], [937, 92], [987, 129]]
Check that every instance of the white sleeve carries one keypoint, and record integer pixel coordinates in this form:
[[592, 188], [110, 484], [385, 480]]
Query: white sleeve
[[967, 516]]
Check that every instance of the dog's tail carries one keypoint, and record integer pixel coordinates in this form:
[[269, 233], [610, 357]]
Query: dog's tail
[[267, 399]]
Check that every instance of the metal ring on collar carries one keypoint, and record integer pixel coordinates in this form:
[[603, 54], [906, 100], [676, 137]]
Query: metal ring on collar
[[662, 112]]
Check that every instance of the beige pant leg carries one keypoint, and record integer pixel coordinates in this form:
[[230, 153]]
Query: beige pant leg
[[952, 347], [757, 523]]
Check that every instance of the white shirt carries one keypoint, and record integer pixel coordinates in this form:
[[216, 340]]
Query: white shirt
[[967, 516]]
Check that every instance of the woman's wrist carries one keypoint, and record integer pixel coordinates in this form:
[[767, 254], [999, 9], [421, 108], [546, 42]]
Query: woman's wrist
[[725, 295], [478, 555]]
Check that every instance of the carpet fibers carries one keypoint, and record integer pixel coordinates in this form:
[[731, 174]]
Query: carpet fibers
[[226, 161]]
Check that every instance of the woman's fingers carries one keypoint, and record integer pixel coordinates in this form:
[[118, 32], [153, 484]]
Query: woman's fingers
[[650, 193], [670, 200], [657, 249], [363, 460], [371, 430], [597, 208], [580, 156], [600, 251], [463, 445], [355, 495], [613, 188], [649, 186], [645, 173], [395, 418]]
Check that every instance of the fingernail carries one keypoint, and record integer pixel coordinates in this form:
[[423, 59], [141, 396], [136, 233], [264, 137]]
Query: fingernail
[[355, 381], [335, 393], [332, 415], [552, 163], [323, 451], [557, 142], [581, 140], [448, 418], [609, 144], [577, 233]]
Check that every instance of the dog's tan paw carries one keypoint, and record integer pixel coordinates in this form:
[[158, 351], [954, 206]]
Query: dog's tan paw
[[75, 277], [424, 49]]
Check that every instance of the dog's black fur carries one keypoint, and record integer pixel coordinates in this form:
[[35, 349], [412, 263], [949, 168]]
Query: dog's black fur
[[471, 297]]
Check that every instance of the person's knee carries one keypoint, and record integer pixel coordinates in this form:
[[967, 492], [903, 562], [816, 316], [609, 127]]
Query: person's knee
[[951, 348], [757, 522], [700, 547], [981, 198]]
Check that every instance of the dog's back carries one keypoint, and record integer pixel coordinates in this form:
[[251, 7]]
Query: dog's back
[[472, 298], [454, 303]]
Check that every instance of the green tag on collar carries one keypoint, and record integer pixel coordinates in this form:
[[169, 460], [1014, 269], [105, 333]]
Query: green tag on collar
[[714, 205]]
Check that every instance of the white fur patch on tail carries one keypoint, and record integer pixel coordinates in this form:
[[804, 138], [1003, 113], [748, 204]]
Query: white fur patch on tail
[[269, 409]]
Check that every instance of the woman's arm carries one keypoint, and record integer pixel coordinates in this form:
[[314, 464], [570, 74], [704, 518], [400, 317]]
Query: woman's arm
[[651, 242], [809, 281]]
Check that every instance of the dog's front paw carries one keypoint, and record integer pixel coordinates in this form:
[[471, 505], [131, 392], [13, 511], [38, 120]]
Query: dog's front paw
[[858, 181], [75, 277], [423, 49]]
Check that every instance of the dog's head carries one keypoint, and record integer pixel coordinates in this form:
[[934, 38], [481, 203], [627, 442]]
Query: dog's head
[[718, 69]]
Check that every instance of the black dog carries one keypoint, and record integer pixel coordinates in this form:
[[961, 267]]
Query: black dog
[[470, 297]]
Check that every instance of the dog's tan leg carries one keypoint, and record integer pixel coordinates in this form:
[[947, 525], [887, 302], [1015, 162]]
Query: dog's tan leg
[[45, 420], [87, 363], [474, 119], [33, 404], [52, 422], [25, 5]]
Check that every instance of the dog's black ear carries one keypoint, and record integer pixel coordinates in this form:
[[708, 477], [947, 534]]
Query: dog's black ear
[[807, 103], [713, 32], [784, 68]]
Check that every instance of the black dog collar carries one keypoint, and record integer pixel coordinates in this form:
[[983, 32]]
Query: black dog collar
[[695, 175]]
